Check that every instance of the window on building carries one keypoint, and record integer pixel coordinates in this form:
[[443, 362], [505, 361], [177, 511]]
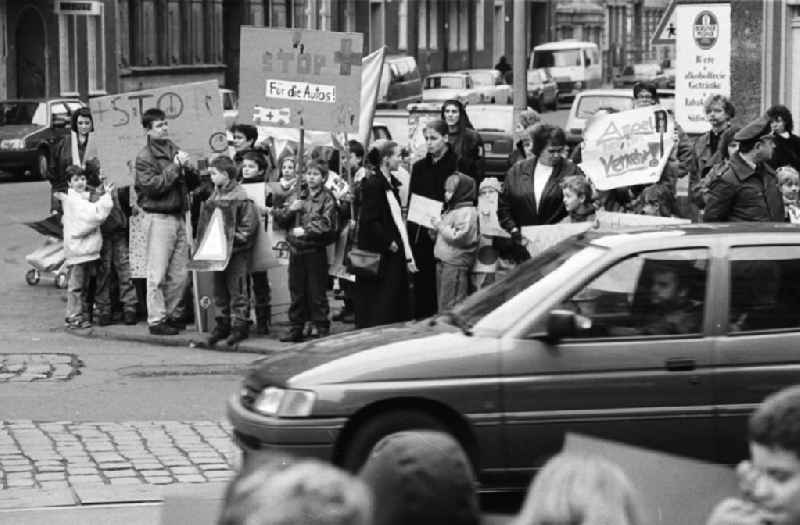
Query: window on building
[[422, 25], [96, 53], [480, 12], [452, 26], [376, 25], [433, 26], [279, 13], [68, 53], [463, 26], [499, 44], [402, 26]]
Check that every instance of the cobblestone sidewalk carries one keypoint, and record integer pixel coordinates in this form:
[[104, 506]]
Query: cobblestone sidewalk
[[68, 454], [38, 367]]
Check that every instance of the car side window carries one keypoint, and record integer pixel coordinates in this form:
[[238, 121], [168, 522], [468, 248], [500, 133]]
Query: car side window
[[765, 290], [58, 109], [649, 294]]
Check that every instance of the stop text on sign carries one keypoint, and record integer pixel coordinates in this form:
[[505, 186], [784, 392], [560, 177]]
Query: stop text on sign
[[301, 91]]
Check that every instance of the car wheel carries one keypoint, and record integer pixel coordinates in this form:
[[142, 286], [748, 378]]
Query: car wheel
[[366, 436], [41, 165]]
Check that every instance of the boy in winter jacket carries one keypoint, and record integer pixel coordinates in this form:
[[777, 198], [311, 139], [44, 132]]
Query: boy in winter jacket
[[310, 216], [82, 240], [231, 286], [456, 240]]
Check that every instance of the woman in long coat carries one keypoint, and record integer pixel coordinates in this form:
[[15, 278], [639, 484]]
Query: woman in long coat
[[427, 180], [76, 148], [380, 229], [465, 142]]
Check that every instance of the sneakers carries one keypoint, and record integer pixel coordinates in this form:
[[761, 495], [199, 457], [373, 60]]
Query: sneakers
[[77, 323], [129, 318], [175, 323], [238, 334], [162, 328]]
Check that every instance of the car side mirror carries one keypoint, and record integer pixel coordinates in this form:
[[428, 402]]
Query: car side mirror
[[60, 121], [565, 323]]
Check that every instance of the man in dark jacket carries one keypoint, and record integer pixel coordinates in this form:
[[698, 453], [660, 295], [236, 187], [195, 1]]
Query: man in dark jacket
[[164, 176], [746, 189], [532, 188]]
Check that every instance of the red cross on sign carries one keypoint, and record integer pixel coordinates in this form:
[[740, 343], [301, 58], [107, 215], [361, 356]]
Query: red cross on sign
[[345, 57]]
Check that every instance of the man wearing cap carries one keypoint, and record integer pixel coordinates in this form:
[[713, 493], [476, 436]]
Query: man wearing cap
[[746, 189]]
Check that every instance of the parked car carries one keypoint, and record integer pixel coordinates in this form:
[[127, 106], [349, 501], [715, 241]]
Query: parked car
[[400, 82], [443, 86], [641, 73], [491, 86], [565, 343], [542, 90], [230, 107], [588, 102], [574, 65], [29, 128], [495, 123]]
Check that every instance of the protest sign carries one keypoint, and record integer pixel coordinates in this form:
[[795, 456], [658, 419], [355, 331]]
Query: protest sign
[[539, 238], [673, 489], [613, 220], [488, 222], [336, 184], [300, 78], [423, 211], [262, 256], [194, 113], [628, 148], [702, 60], [215, 230]]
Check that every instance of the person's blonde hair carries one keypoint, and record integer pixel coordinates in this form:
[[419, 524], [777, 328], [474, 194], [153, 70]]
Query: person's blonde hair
[[576, 489], [784, 173]]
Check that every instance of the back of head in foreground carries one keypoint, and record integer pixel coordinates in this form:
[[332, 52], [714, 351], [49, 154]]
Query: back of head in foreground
[[307, 492], [575, 489]]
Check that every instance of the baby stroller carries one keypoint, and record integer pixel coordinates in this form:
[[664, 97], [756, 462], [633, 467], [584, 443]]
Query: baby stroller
[[50, 257]]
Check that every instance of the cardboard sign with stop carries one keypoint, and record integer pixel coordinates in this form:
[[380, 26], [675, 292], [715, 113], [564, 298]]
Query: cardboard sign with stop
[[300, 78]]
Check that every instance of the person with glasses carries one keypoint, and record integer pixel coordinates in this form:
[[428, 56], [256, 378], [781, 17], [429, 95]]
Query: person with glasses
[[532, 193]]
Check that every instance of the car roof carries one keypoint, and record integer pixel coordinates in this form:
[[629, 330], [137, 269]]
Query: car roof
[[449, 74], [606, 93], [744, 232], [471, 71], [564, 44]]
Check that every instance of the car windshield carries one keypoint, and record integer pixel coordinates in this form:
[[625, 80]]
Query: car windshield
[[567, 256], [559, 58], [445, 82], [492, 118], [16, 113], [588, 105]]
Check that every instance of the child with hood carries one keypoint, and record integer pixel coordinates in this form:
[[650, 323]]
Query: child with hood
[[456, 240]]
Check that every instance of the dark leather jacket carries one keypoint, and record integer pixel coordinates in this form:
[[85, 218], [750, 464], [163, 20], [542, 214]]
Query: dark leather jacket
[[161, 185], [319, 219], [740, 193]]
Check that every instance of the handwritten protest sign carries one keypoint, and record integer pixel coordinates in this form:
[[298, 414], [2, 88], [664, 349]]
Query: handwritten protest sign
[[300, 78], [422, 210], [194, 113], [262, 256], [613, 220], [540, 238], [487, 214], [628, 148]]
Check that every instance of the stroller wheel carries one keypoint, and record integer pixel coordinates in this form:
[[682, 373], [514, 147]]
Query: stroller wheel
[[32, 276], [61, 280]]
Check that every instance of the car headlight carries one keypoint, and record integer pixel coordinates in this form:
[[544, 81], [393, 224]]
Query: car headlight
[[578, 85], [274, 401], [12, 144]]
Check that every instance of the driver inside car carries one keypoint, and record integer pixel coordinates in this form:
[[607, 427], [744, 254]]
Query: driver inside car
[[670, 309]]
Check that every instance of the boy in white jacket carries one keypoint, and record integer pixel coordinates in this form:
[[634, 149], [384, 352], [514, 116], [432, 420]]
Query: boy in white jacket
[[82, 239]]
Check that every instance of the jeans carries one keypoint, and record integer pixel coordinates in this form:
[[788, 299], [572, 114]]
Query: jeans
[[231, 290], [167, 256], [114, 256], [308, 284], [452, 285], [77, 282]]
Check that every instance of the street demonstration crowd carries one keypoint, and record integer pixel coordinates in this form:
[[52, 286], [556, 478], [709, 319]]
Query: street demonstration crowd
[[403, 270], [425, 478]]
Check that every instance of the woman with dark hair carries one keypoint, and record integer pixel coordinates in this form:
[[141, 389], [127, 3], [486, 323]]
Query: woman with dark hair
[[427, 180], [75, 149], [465, 142], [381, 229], [787, 144], [532, 192]]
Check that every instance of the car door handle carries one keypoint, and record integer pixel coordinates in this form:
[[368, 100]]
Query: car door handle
[[679, 364]]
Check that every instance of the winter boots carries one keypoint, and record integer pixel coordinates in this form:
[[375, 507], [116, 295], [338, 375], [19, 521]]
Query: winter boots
[[238, 333], [221, 330]]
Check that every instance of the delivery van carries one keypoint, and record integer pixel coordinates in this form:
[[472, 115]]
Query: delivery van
[[574, 65], [400, 83]]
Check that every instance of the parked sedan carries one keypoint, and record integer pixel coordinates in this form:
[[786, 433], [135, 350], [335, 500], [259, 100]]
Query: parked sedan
[[662, 338], [641, 73], [29, 128], [444, 86], [495, 123], [491, 86], [542, 90]]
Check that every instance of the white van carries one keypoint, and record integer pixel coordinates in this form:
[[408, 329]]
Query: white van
[[574, 65]]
